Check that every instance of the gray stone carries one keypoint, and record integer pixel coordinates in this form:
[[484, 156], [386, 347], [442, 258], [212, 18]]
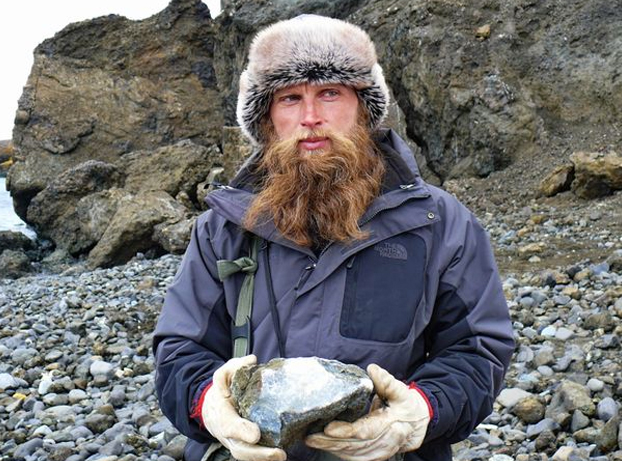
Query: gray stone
[[608, 341], [80, 432], [101, 368], [289, 398], [571, 396], [564, 334], [549, 332], [595, 385], [77, 395], [546, 424], [579, 421], [26, 449], [175, 448], [22, 355], [607, 439], [524, 354], [117, 397], [607, 408], [113, 448], [9, 382]]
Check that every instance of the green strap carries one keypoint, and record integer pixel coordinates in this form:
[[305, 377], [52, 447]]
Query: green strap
[[247, 264]]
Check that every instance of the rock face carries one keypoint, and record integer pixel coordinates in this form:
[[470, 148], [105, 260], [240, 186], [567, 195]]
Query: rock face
[[102, 88], [113, 109], [477, 86], [289, 398]]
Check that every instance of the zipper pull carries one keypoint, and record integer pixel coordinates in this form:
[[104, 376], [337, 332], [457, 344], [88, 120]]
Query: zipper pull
[[351, 262], [305, 275]]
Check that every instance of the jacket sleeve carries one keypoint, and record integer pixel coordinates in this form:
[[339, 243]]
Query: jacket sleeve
[[193, 334], [469, 340]]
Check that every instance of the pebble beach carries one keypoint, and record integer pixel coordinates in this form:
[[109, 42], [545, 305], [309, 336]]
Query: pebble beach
[[77, 371]]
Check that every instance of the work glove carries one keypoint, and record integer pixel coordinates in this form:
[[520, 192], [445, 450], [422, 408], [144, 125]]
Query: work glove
[[221, 419], [397, 422]]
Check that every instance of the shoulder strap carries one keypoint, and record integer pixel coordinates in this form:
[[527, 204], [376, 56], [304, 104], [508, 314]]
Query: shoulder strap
[[241, 330]]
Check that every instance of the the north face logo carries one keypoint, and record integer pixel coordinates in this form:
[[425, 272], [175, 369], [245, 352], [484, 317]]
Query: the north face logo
[[392, 250]]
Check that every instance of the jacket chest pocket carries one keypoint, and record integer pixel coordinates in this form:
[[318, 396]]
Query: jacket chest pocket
[[384, 286]]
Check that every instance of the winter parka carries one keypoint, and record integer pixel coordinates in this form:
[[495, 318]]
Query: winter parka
[[421, 297]]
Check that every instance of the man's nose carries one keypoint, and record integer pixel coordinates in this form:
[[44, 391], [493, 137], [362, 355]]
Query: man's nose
[[311, 115]]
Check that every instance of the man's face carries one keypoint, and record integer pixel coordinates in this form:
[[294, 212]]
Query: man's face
[[304, 108], [320, 166]]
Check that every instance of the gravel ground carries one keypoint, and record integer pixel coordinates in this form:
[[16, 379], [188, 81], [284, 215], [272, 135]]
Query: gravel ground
[[76, 369]]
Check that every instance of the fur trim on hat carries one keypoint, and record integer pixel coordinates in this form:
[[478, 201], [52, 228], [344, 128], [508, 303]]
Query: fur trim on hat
[[309, 49]]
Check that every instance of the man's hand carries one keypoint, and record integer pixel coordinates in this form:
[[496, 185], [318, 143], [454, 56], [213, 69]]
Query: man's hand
[[398, 426], [221, 419]]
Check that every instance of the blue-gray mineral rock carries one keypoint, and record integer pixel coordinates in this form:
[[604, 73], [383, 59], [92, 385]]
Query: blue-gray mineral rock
[[290, 398]]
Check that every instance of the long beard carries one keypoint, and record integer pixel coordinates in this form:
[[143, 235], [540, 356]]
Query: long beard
[[318, 197]]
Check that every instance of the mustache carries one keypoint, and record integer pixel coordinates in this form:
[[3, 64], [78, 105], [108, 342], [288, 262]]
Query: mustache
[[305, 135]]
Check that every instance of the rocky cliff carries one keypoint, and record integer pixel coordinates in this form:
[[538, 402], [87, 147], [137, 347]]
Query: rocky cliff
[[479, 86]]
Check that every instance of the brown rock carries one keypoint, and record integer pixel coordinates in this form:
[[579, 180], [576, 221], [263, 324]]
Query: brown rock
[[53, 212], [172, 169], [596, 174], [558, 181], [131, 229], [483, 32], [530, 410], [531, 249], [174, 237]]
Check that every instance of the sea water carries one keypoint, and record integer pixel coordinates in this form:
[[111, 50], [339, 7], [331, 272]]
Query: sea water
[[8, 219]]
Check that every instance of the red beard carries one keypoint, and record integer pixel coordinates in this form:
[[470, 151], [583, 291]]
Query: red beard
[[316, 197]]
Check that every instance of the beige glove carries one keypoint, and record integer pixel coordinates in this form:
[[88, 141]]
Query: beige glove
[[398, 426], [221, 419]]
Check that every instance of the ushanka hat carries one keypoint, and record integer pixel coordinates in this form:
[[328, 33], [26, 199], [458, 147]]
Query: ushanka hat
[[309, 49]]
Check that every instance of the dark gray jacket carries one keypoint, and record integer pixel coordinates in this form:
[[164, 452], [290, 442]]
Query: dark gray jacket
[[421, 297]]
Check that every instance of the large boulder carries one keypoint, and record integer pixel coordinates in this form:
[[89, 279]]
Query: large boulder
[[132, 226], [596, 174], [77, 207], [100, 89], [14, 264], [54, 211], [10, 240]]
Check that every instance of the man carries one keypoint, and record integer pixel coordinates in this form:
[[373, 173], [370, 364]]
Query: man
[[367, 265]]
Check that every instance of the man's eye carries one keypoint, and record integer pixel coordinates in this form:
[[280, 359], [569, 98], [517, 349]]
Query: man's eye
[[289, 98]]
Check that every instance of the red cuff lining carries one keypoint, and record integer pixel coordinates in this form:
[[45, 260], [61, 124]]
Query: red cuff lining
[[414, 386], [197, 413]]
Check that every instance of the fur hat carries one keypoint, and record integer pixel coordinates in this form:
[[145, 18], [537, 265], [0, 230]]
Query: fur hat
[[309, 49]]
